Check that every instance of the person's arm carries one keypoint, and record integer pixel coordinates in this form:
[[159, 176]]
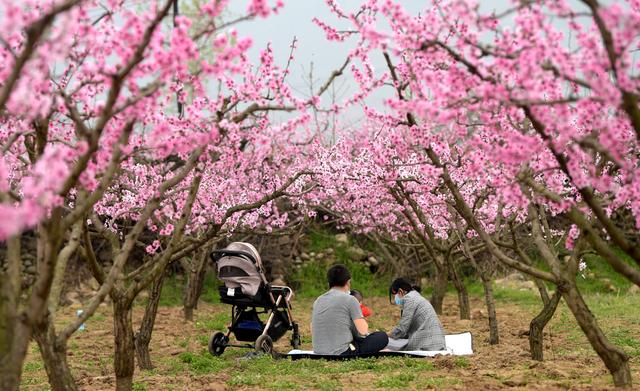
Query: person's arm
[[356, 317], [361, 326], [401, 330]]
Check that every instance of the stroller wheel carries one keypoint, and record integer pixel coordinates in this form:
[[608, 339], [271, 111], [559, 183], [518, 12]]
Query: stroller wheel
[[217, 343], [264, 343]]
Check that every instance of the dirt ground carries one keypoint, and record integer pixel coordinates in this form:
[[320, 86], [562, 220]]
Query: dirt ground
[[178, 349]]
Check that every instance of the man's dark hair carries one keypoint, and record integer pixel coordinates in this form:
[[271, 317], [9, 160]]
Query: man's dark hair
[[338, 275]]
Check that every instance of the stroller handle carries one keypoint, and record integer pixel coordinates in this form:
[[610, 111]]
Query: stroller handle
[[216, 255]]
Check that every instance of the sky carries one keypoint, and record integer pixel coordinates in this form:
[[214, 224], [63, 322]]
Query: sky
[[314, 51]]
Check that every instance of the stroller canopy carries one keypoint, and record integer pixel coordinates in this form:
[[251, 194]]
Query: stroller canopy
[[240, 266]]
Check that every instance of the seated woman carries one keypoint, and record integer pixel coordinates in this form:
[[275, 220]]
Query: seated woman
[[419, 322]]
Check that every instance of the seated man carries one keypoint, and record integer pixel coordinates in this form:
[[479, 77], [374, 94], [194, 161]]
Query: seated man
[[338, 327]]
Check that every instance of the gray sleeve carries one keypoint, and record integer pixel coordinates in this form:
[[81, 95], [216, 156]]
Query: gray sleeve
[[401, 330], [354, 309]]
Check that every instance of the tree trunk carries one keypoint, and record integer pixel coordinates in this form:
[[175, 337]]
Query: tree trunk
[[35, 309], [538, 324], [54, 355], [11, 368], [125, 348], [439, 290], [14, 336], [494, 335], [195, 279], [390, 258], [143, 337], [463, 295], [188, 311], [542, 289], [613, 357]]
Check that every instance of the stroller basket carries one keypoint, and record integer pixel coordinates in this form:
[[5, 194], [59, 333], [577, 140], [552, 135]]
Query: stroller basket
[[248, 327], [246, 289]]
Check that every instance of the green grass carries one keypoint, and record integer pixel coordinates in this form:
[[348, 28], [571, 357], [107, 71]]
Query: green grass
[[210, 289], [97, 318], [615, 315], [615, 311], [139, 386], [592, 283], [246, 379], [440, 382], [33, 366], [172, 291], [203, 362], [601, 270], [462, 362], [400, 381], [183, 342], [311, 276], [624, 338], [611, 310], [312, 281], [217, 321], [594, 278], [323, 375]]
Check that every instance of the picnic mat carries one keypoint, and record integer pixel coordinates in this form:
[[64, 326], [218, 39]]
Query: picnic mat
[[457, 345]]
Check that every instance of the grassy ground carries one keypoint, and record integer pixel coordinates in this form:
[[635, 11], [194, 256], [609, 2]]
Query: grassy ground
[[311, 276], [183, 363]]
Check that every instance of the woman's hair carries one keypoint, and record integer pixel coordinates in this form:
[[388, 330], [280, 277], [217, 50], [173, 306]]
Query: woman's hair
[[404, 284]]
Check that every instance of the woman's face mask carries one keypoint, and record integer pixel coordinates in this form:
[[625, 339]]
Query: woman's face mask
[[399, 300]]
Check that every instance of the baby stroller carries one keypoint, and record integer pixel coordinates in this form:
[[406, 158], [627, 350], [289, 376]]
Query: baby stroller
[[247, 290]]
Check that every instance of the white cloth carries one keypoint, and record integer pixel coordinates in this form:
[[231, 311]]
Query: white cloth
[[457, 345]]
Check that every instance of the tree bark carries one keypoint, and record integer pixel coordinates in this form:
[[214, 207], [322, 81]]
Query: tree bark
[[61, 265], [494, 335], [54, 355], [537, 325], [616, 361], [463, 295], [9, 292], [11, 370], [124, 344], [143, 337], [386, 253], [542, 289], [439, 289], [16, 327], [195, 279], [483, 271]]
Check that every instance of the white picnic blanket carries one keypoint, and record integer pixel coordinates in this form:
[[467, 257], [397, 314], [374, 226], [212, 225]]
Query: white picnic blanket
[[457, 345]]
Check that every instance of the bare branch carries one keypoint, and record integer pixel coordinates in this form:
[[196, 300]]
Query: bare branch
[[336, 73]]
